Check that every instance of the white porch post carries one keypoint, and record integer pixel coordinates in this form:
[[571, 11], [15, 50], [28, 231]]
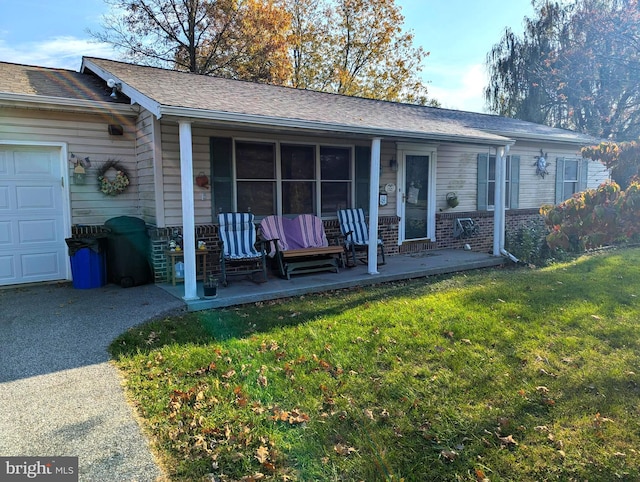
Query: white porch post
[[500, 201], [373, 207], [188, 217]]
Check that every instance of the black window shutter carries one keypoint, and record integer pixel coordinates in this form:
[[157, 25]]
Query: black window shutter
[[221, 176], [515, 183], [483, 178], [362, 175]]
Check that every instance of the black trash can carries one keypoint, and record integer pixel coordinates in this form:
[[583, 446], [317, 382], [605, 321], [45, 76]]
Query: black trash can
[[128, 248], [88, 263]]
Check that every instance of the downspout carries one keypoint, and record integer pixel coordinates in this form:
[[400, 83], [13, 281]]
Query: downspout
[[499, 197], [188, 216], [374, 181]]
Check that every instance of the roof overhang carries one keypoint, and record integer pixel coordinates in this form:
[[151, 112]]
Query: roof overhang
[[231, 118], [549, 138], [135, 96], [475, 136], [42, 102]]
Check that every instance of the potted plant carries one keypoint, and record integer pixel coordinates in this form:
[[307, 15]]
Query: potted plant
[[452, 199], [211, 287]]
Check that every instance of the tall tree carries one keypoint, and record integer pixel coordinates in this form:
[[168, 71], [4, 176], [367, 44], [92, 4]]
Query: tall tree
[[352, 47], [244, 39], [356, 47], [575, 66]]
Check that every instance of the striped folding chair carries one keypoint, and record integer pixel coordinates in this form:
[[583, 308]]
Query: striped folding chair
[[237, 234], [353, 226]]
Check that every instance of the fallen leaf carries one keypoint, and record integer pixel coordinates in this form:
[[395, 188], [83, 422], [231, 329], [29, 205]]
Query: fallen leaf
[[262, 454], [369, 414], [449, 455], [542, 389], [508, 440], [343, 449], [262, 380], [596, 317], [229, 374], [480, 477]]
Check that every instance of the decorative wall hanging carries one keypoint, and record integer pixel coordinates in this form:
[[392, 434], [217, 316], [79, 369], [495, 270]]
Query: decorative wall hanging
[[202, 180], [112, 183], [542, 164], [79, 171], [452, 199]]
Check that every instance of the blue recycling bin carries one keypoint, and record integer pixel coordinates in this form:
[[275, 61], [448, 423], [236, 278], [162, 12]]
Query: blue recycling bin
[[88, 263]]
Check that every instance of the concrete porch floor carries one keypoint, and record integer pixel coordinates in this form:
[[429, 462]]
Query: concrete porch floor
[[242, 290]]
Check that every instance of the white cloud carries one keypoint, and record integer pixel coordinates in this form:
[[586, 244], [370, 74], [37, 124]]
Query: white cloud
[[60, 52], [460, 88]]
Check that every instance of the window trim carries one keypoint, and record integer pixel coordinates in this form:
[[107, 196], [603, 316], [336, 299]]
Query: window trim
[[583, 176], [513, 200], [277, 143]]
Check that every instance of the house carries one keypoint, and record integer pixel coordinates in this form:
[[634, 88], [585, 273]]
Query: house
[[267, 149]]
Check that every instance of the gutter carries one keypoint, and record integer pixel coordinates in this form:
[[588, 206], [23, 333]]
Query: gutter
[[62, 103]]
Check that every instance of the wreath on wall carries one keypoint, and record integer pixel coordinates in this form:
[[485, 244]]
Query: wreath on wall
[[111, 184]]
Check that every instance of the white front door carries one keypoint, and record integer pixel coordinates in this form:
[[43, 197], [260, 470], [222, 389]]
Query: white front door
[[32, 215]]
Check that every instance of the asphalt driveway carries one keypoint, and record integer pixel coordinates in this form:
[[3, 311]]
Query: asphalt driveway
[[59, 396]]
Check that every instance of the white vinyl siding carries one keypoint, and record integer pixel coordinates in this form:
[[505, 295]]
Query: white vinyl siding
[[86, 135]]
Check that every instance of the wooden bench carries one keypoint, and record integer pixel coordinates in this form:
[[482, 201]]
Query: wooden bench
[[299, 245]]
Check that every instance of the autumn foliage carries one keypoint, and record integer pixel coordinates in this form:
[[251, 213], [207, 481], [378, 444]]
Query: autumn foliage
[[594, 218]]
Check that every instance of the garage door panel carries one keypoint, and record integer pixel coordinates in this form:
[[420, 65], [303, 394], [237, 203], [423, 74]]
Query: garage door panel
[[7, 269], [4, 198], [35, 164], [35, 197], [37, 231], [6, 234], [4, 163], [40, 265]]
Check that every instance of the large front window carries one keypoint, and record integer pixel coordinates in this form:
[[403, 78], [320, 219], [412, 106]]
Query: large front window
[[335, 170], [256, 177], [281, 178]]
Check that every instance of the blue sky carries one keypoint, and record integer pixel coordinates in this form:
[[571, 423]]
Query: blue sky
[[458, 33]]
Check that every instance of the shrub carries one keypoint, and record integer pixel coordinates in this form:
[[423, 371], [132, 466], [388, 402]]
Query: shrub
[[528, 243], [597, 217]]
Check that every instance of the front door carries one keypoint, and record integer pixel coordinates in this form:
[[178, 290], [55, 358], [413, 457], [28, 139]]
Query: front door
[[416, 196]]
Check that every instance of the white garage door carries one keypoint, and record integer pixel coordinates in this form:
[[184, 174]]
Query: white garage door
[[32, 230]]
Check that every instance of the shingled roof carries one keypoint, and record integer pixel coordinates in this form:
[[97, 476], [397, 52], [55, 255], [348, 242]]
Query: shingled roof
[[48, 82], [167, 92]]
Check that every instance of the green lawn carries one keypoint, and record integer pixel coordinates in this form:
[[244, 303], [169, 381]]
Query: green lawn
[[500, 375]]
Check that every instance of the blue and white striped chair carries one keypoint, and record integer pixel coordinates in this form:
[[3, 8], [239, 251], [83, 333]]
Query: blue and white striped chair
[[353, 226], [238, 239]]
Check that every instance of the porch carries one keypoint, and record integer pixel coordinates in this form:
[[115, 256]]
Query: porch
[[417, 265]]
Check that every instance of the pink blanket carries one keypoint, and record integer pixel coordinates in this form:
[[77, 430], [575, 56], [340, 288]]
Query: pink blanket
[[304, 231]]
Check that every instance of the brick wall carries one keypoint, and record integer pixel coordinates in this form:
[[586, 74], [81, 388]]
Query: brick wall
[[483, 241], [388, 231]]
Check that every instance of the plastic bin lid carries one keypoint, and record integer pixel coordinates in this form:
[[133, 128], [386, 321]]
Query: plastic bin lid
[[125, 224]]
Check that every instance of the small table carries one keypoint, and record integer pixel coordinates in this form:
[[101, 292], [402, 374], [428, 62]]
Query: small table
[[174, 256]]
